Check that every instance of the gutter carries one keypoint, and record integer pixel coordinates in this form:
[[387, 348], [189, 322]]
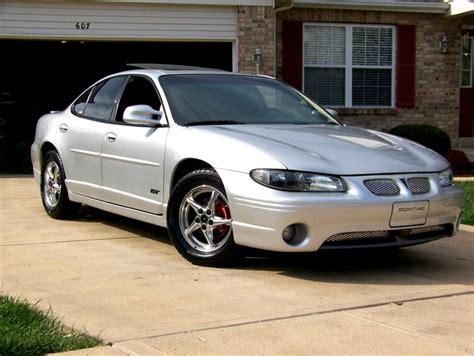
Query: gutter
[[285, 7], [461, 8], [398, 6]]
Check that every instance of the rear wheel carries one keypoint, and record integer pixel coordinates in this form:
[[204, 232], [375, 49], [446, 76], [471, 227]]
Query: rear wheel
[[199, 220], [53, 189]]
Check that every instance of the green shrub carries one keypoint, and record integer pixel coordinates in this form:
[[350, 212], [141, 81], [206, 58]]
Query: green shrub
[[427, 135], [468, 216]]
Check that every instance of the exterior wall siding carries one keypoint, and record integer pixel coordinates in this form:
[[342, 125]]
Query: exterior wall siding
[[437, 74], [117, 21]]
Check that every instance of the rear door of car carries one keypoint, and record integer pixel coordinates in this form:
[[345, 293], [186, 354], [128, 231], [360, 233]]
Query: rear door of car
[[133, 156], [81, 135]]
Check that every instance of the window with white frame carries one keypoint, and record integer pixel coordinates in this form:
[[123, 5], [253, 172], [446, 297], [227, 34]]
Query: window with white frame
[[467, 51], [349, 65]]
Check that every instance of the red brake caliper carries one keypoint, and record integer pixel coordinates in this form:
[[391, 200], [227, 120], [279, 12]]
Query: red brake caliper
[[222, 211]]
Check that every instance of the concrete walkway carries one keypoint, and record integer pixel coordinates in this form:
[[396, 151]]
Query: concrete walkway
[[123, 280], [463, 179]]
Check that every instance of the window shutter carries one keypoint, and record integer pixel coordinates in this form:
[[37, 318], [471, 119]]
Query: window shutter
[[406, 66], [292, 48]]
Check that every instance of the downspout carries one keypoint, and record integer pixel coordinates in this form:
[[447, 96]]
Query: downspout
[[286, 6]]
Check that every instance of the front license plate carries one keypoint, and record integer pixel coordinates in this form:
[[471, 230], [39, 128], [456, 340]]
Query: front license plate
[[412, 213]]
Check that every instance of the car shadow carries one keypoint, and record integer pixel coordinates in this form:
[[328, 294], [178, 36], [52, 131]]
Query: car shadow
[[139, 228], [438, 262], [422, 264]]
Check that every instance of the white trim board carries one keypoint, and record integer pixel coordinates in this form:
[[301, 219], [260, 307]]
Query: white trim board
[[104, 21]]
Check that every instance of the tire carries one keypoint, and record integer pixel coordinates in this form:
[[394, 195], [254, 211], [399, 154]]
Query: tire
[[54, 194], [201, 230]]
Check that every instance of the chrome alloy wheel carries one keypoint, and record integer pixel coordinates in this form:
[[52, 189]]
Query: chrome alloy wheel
[[204, 218], [52, 184]]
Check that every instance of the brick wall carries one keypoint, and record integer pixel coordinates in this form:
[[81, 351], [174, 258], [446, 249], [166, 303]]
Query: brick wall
[[256, 29], [437, 74]]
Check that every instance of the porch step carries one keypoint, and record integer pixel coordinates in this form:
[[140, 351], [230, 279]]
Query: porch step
[[469, 153], [466, 142]]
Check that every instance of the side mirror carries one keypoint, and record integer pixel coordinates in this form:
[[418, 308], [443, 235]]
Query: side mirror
[[333, 113], [142, 115]]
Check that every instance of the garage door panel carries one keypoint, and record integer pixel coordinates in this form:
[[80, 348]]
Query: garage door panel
[[131, 35], [118, 21], [92, 10], [152, 27]]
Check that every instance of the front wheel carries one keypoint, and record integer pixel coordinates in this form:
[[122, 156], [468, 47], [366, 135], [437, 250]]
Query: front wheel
[[53, 189], [199, 220]]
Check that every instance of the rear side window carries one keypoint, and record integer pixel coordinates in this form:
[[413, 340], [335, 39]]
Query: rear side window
[[80, 104], [102, 101]]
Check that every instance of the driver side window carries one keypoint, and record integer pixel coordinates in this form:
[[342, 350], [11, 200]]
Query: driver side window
[[138, 91]]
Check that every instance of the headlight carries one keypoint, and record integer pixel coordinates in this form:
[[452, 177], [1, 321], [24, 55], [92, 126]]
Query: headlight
[[297, 181], [446, 177]]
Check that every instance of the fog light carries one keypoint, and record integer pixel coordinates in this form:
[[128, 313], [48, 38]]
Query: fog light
[[288, 233]]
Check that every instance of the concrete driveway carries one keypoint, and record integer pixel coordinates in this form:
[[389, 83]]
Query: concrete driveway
[[124, 280]]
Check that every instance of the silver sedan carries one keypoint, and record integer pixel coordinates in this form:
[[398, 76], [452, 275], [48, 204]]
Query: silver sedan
[[227, 160]]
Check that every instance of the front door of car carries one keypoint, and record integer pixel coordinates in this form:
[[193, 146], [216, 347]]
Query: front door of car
[[133, 156], [81, 136]]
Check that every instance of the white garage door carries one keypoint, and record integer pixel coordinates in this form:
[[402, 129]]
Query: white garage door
[[116, 21]]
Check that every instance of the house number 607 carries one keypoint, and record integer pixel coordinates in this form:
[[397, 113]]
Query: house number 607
[[82, 25]]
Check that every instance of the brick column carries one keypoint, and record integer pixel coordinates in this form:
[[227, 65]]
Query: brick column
[[255, 28]]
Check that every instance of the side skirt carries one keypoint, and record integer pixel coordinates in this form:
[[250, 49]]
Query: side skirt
[[159, 220]]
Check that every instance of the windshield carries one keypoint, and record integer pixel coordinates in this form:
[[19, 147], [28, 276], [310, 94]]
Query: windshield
[[200, 99]]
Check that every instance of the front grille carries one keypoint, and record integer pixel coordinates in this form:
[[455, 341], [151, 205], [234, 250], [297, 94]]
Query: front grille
[[383, 187], [360, 237], [382, 237], [418, 185], [430, 231]]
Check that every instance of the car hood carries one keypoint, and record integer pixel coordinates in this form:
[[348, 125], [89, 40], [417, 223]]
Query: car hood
[[338, 150]]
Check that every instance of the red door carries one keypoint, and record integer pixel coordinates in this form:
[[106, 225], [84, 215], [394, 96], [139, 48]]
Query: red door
[[466, 104]]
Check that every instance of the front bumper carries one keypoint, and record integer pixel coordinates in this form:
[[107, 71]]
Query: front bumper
[[35, 160], [260, 214]]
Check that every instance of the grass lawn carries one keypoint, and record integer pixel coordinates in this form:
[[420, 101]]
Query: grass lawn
[[468, 217], [27, 330]]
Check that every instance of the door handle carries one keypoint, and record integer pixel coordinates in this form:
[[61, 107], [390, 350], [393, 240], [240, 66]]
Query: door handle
[[63, 128], [111, 137]]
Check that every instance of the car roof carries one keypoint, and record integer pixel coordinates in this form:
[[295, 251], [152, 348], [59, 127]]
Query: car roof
[[170, 67], [160, 72], [162, 69], [175, 70]]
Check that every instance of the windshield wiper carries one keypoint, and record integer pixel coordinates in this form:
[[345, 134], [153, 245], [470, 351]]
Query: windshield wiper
[[313, 123], [215, 122]]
